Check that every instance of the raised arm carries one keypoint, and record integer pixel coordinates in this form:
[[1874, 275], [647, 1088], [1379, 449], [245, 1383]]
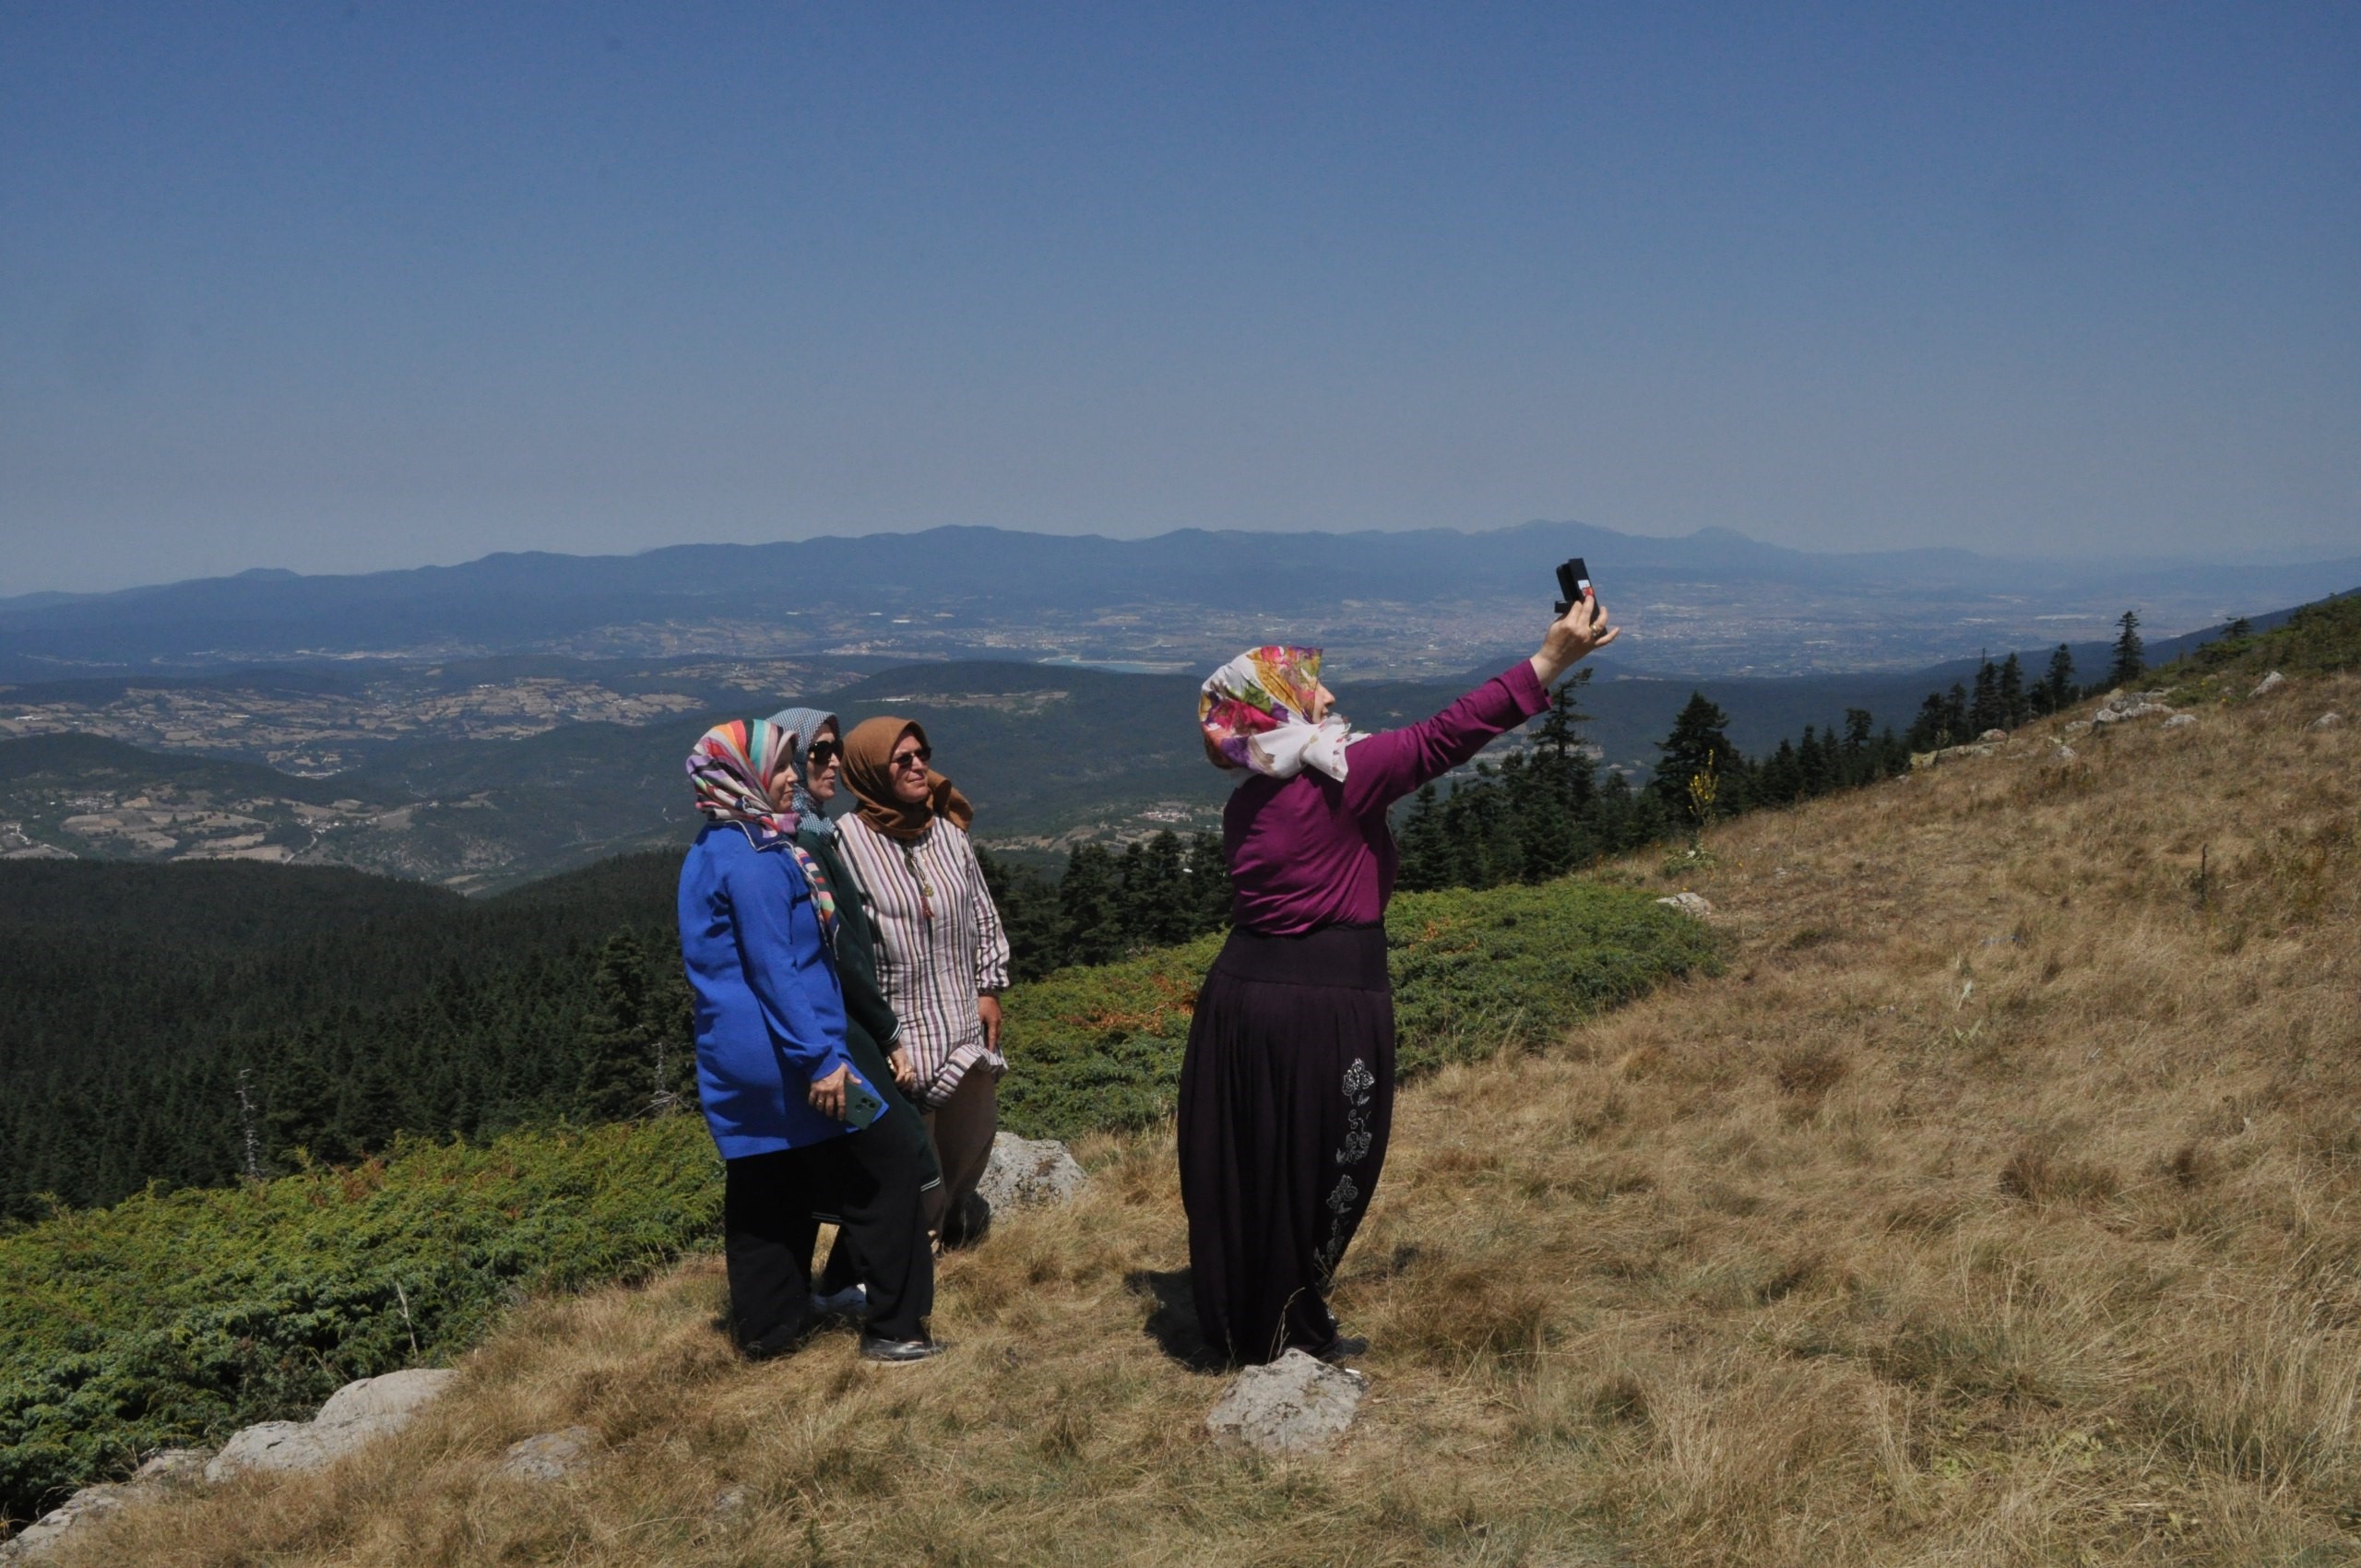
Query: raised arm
[[1387, 768]]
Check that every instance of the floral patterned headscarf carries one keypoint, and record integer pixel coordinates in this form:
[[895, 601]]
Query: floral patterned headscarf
[[733, 772], [1256, 714]]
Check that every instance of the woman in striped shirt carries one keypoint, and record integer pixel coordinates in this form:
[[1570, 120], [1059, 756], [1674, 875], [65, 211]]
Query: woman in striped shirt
[[942, 955]]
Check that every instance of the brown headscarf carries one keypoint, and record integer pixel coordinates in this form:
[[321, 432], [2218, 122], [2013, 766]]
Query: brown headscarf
[[868, 774]]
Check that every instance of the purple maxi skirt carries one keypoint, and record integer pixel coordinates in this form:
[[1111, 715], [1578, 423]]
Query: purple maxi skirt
[[1286, 1097]]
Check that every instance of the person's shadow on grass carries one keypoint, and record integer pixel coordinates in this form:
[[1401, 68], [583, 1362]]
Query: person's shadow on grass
[[1172, 1323]]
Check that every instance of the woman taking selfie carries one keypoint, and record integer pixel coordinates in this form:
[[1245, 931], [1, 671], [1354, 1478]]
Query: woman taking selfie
[[794, 1121], [942, 956], [1287, 1092]]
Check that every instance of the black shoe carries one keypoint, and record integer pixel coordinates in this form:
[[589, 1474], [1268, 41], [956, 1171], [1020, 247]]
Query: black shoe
[[1339, 1350], [875, 1348]]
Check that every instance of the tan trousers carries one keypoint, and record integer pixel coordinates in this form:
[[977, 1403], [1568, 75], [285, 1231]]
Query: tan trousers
[[962, 1128]]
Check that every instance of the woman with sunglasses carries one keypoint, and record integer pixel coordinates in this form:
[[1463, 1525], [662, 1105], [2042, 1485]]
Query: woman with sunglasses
[[942, 956], [795, 1119], [871, 1030]]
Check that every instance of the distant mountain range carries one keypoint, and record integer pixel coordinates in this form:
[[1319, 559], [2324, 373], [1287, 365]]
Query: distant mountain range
[[1052, 755], [1710, 602]]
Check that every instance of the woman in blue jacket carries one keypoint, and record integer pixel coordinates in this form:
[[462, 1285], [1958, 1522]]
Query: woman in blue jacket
[[785, 1103]]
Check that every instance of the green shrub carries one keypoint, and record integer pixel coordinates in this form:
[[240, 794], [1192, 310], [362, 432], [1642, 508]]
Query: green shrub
[[1473, 971], [179, 1317]]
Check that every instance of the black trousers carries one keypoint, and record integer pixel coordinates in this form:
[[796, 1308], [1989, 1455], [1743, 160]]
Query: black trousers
[[1286, 1100], [870, 1183]]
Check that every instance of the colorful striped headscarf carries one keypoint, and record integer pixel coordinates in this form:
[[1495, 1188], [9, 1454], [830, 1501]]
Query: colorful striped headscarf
[[1256, 714], [733, 771]]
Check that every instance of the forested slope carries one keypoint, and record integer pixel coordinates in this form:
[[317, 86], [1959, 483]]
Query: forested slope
[[352, 1004]]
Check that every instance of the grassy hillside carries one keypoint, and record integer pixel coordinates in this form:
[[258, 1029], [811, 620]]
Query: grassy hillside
[[174, 1317], [2000, 1204]]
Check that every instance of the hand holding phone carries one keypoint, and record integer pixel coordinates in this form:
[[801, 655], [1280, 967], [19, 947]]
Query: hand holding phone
[[863, 1104], [1574, 584]]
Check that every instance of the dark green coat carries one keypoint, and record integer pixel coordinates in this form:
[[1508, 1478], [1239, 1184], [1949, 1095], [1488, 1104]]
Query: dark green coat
[[870, 1024]]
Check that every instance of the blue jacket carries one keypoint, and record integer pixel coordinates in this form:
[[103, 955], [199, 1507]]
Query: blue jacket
[[770, 1016]]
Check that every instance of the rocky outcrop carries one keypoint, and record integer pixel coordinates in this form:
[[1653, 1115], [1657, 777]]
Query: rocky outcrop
[[1693, 905], [173, 1470], [2271, 683], [1027, 1172], [1297, 1404], [2328, 721], [356, 1415], [2180, 721]]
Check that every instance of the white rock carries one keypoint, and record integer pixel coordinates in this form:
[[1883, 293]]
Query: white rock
[[2077, 727], [548, 1456], [355, 1415], [2066, 752], [2271, 683], [161, 1476], [1993, 737], [396, 1394], [2178, 720], [1690, 903], [38, 1540], [1297, 1404], [1028, 1171], [2328, 721]]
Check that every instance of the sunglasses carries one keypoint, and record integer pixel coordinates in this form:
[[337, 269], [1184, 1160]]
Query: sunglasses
[[820, 753], [917, 759]]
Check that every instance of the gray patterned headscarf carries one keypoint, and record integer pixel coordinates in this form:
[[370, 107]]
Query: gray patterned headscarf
[[804, 723]]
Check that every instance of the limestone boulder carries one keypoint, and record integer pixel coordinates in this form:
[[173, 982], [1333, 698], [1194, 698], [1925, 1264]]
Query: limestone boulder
[[2328, 721], [2180, 721], [396, 1394], [1297, 1404], [1028, 1172], [2271, 683], [1693, 905], [355, 1415]]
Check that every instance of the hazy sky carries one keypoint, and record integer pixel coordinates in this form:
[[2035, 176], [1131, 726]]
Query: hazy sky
[[346, 286]]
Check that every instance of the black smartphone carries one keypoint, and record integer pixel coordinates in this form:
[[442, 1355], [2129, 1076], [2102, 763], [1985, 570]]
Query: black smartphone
[[1574, 582], [863, 1104]]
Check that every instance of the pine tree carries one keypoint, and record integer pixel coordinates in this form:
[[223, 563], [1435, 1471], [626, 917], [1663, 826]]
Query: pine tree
[[1696, 754], [2059, 681], [618, 1074], [1857, 766], [1090, 908], [2014, 709], [1030, 913], [1157, 910], [1425, 851], [1209, 889], [1984, 710], [2130, 654]]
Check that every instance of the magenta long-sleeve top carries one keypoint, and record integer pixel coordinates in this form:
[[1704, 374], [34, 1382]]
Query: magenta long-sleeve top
[[1313, 851]]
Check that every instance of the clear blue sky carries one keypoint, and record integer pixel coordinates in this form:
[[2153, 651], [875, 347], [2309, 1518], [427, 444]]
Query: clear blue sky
[[345, 286]]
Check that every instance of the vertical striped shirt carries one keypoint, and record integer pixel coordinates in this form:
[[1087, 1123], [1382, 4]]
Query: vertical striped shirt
[[940, 946]]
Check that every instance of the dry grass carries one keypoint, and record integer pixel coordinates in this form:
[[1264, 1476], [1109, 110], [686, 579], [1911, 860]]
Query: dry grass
[[1996, 1206]]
